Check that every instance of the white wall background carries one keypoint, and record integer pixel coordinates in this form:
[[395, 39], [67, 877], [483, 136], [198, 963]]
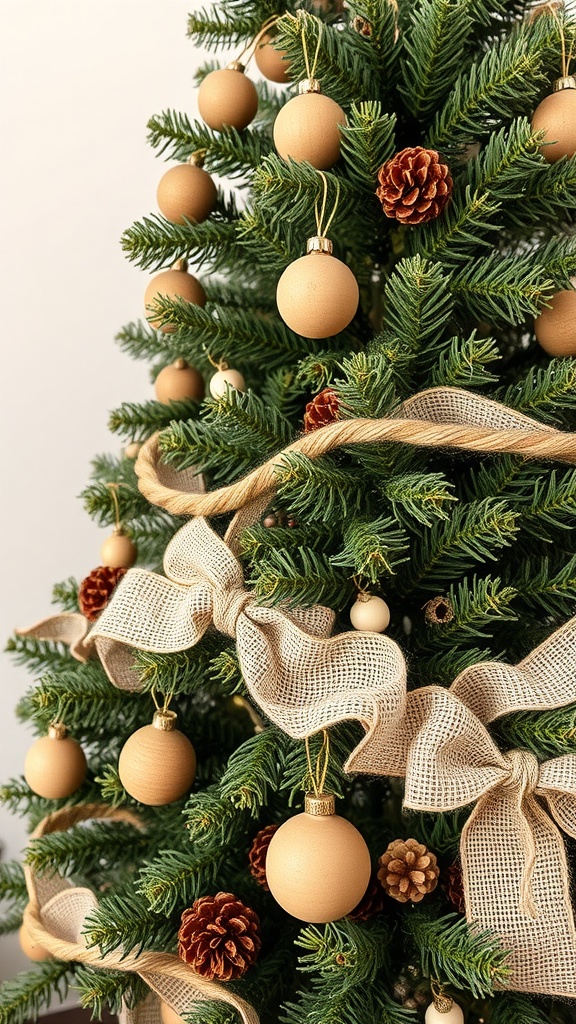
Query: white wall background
[[78, 83]]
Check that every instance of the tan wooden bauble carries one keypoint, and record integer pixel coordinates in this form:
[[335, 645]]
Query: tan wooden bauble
[[55, 766], [132, 450], [370, 613], [556, 115], [157, 764], [118, 551], [434, 1015], [172, 284], [186, 193], [220, 380], [271, 63], [555, 327], [308, 128], [227, 98], [33, 950], [179, 382], [168, 1015], [317, 295], [317, 864]]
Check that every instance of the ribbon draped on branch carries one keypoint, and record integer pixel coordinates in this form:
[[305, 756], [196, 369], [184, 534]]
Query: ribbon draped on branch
[[57, 916]]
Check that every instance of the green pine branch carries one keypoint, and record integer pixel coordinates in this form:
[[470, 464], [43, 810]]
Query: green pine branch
[[122, 921], [369, 385], [302, 577], [542, 391], [367, 142], [253, 772], [435, 48], [79, 848], [136, 422], [464, 363], [503, 289], [547, 734], [23, 998], [418, 497], [38, 655], [318, 489], [107, 991], [373, 549], [155, 243], [448, 949], [516, 1008], [545, 584], [418, 305]]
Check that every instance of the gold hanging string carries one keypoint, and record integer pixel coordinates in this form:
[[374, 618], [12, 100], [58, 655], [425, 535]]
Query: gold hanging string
[[317, 775], [254, 42], [167, 698], [322, 230], [552, 7], [310, 69], [113, 488]]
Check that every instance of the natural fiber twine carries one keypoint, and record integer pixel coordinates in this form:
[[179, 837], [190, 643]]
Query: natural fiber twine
[[56, 918]]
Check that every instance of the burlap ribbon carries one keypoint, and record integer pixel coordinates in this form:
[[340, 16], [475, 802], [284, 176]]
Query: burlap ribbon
[[56, 917], [68, 628]]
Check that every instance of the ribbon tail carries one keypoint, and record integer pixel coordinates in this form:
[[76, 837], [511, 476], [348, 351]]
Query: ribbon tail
[[69, 628]]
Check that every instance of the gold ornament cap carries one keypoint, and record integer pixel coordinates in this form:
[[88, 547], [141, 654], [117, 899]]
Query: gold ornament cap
[[309, 85], [180, 265], [319, 243], [566, 82], [57, 731], [197, 158], [236, 65], [164, 720], [321, 805]]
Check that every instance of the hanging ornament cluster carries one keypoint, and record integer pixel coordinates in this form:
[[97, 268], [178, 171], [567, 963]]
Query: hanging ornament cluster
[[317, 295], [555, 327], [179, 382], [414, 186], [157, 763], [187, 192], [175, 283], [219, 937], [55, 766], [321, 410]]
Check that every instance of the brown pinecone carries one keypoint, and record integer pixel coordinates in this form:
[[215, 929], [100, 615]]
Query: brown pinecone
[[257, 854], [373, 902], [321, 410], [94, 592], [414, 186], [408, 871], [219, 937], [454, 887]]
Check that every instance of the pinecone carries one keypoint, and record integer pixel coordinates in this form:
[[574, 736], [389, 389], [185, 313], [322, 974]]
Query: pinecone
[[94, 592], [219, 937], [372, 902], [321, 410], [414, 186], [454, 887], [257, 854], [408, 871]]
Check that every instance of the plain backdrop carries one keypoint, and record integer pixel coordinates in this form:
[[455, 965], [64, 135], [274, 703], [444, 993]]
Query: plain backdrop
[[78, 83]]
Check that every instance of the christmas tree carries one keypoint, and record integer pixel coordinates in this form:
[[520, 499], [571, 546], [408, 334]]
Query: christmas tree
[[306, 736]]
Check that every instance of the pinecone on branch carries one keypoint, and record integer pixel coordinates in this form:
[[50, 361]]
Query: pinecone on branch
[[453, 886], [219, 937], [408, 871], [373, 902], [257, 854], [94, 592], [414, 186], [321, 410]]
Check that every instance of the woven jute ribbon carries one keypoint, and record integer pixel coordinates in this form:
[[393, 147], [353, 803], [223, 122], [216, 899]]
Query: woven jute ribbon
[[57, 916]]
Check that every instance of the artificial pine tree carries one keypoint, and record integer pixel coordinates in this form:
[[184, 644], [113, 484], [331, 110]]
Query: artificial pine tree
[[452, 232]]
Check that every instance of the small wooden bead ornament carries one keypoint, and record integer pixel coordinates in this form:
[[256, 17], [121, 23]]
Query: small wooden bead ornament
[[157, 764], [186, 192], [175, 283], [179, 382], [33, 950], [370, 613], [225, 377], [443, 1010], [118, 551], [555, 327], [132, 450], [271, 62], [227, 98], [55, 766]]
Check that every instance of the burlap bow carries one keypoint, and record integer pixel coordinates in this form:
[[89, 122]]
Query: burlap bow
[[302, 678]]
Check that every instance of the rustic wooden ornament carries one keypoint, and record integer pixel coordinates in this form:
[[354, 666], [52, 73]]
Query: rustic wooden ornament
[[435, 1014], [186, 193], [317, 295], [317, 864], [271, 63], [224, 377], [118, 551], [227, 98], [179, 382], [556, 115], [157, 764], [176, 283], [555, 327], [55, 766], [168, 1015], [308, 127], [33, 950], [132, 450], [370, 613]]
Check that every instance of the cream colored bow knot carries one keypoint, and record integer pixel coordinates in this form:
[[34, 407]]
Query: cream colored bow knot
[[303, 679]]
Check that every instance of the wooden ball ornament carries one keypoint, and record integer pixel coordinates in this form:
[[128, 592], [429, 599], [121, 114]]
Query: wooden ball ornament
[[132, 450], [176, 283], [317, 295], [555, 327], [317, 864], [33, 950], [168, 1015], [222, 378], [271, 63], [227, 98], [157, 764], [118, 551], [179, 382], [370, 613], [436, 1014], [55, 766], [186, 193], [556, 115], [308, 127]]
